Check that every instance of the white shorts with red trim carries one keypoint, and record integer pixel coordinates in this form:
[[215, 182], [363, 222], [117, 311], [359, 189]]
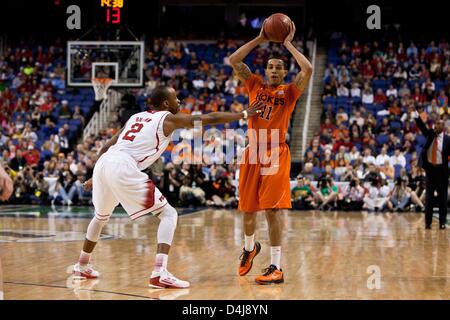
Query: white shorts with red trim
[[117, 179]]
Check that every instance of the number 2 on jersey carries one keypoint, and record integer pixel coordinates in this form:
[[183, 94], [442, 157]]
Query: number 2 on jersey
[[135, 128]]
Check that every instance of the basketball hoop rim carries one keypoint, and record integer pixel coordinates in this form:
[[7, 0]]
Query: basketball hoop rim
[[101, 80]]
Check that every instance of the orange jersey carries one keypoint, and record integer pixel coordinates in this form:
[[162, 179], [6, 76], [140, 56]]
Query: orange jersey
[[280, 101]]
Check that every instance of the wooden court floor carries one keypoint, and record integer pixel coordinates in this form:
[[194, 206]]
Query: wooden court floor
[[326, 255]]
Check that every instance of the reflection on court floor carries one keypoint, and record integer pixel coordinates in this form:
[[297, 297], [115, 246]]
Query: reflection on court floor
[[326, 255]]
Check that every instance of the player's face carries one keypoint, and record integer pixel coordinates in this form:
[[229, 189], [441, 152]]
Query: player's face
[[275, 72], [173, 102]]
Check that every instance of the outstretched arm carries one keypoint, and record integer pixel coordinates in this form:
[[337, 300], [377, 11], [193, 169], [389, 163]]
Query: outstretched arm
[[423, 128], [302, 78], [181, 120], [241, 69]]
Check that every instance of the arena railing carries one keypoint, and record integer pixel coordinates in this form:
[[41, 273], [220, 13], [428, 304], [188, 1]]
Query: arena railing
[[101, 118], [308, 100]]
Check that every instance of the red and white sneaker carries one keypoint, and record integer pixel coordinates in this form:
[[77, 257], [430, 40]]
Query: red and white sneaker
[[84, 271], [164, 279]]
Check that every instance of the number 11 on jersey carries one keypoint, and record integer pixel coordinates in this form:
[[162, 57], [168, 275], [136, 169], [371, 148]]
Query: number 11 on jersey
[[263, 113]]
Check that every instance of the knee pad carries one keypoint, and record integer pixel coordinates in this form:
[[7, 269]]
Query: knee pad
[[95, 228], [166, 229], [169, 212]]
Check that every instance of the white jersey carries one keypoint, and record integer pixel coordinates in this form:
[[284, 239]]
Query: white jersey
[[143, 138]]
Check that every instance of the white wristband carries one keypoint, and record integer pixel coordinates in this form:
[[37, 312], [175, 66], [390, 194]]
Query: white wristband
[[245, 114]]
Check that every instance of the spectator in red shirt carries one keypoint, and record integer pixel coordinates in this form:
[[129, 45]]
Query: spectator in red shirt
[[343, 143], [32, 156], [356, 49], [417, 96], [328, 125], [380, 97], [368, 72]]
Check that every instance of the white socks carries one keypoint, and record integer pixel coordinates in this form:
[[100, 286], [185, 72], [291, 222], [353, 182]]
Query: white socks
[[1, 295], [84, 258], [161, 261], [249, 242], [275, 256]]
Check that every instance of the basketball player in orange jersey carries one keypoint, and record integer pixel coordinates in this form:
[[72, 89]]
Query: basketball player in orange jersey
[[118, 178], [259, 190]]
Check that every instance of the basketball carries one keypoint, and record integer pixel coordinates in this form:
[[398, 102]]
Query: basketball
[[277, 27]]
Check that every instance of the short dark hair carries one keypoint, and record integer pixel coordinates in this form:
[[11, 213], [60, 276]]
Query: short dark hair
[[283, 59], [159, 95]]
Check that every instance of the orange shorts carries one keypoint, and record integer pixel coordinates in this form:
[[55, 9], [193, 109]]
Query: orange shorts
[[265, 186]]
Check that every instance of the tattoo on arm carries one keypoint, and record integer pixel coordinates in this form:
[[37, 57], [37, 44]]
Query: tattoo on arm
[[242, 71], [301, 81]]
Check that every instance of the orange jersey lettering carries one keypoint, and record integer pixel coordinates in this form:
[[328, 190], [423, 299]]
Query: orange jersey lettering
[[279, 103]]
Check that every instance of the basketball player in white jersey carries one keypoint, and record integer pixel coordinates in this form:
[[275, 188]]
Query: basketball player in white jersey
[[117, 178]]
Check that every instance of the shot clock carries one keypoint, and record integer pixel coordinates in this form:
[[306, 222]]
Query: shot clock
[[113, 11]]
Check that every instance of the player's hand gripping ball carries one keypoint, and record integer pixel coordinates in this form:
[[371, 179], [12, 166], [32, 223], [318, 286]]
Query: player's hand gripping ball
[[277, 27]]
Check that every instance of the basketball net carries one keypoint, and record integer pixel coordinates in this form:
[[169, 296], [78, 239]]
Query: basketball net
[[101, 86]]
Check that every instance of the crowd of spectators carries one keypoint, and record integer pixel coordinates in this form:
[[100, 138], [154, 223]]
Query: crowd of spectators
[[40, 136], [368, 141], [39, 130]]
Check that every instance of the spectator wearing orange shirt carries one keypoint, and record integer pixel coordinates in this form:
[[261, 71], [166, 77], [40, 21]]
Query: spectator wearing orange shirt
[[240, 90], [395, 109], [340, 132], [204, 66], [327, 160]]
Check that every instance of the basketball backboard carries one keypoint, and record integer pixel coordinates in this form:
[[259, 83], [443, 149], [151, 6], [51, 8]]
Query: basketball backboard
[[120, 60]]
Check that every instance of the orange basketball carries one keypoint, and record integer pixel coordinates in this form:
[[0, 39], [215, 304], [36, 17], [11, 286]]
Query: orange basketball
[[277, 27]]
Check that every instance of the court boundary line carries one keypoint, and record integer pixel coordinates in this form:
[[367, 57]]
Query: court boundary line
[[18, 214], [64, 287]]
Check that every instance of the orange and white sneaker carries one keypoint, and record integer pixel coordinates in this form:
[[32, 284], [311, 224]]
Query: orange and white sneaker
[[164, 279], [271, 275], [247, 259], [84, 272]]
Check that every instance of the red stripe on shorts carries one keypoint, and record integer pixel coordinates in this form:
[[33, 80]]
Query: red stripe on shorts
[[149, 198]]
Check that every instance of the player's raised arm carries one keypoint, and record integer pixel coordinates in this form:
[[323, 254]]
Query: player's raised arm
[[302, 78], [181, 120], [241, 69]]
